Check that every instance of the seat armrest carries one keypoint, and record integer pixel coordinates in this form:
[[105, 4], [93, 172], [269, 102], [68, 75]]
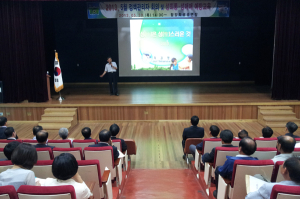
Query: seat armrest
[[117, 161], [105, 176]]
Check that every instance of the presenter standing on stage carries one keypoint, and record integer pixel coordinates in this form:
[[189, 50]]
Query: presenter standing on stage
[[111, 69]]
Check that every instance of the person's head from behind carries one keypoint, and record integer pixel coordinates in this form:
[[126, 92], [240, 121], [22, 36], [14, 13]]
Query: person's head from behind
[[286, 144], [9, 148], [36, 129], [291, 127], [291, 169], [63, 133], [105, 136], [247, 146], [24, 156], [86, 132], [114, 129], [10, 132], [195, 120], [214, 130], [226, 136], [242, 134], [3, 121], [267, 132], [109, 60], [42, 137], [190, 57], [174, 61], [64, 166]]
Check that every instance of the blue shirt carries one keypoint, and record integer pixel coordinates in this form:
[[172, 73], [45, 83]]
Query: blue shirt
[[227, 169], [175, 67]]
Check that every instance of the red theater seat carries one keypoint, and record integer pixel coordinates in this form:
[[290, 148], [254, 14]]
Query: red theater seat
[[3, 143], [60, 143], [131, 146], [189, 142], [2, 155], [45, 192], [235, 141], [84, 143], [77, 152], [276, 175], [8, 192], [266, 142], [44, 153], [4, 165], [34, 142], [285, 192], [265, 153]]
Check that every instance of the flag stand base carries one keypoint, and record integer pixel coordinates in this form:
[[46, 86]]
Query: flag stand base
[[60, 97]]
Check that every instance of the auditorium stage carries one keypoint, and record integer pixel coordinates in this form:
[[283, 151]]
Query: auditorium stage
[[155, 101]]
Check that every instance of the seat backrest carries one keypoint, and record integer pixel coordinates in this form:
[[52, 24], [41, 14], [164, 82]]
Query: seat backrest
[[276, 176], [265, 153], [241, 168], [2, 155], [235, 141], [44, 153], [266, 142], [222, 152], [34, 142], [60, 143], [297, 140], [285, 192], [8, 192], [77, 152], [46, 192], [89, 170], [131, 146], [43, 169], [3, 143], [210, 143], [103, 154], [117, 143], [296, 152], [189, 142], [4, 165], [84, 143]]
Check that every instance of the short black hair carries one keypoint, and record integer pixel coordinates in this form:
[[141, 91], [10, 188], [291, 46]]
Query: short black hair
[[36, 129], [64, 166], [9, 132], [248, 145], [190, 56], [292, 164], [291, 126], [3, 120], [226, 135], [42, 136], [267, 132], [104, 135], [9, 148], [287, 143], [242, 134], [114, 129], [108, 58], [86, 132], [24, 155], [195, 120], [214, 130]]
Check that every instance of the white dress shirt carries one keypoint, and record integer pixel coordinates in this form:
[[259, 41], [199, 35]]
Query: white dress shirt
[[109, 68], [281, 157]]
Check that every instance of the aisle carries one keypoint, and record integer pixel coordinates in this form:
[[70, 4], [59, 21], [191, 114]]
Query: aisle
[[162, 184]]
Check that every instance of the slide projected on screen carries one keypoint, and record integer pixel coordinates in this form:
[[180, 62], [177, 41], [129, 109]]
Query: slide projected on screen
[[160, 44]]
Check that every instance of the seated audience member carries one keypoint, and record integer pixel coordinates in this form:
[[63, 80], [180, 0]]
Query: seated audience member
[[285, 145], [192, 132], [290, 128], [86, 133], [10, 133], [226, 137], [105, 140], [65, 171], [267, 132], [242, 134], [114, 129], [213, 131], [247, 147], [8, 149], [42, 137], [291, 174], [23, 158], [35, 130], [3, 123], [64, 133]]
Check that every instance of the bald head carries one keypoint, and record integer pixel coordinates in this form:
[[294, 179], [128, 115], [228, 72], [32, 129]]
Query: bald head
[[286, 144], [42, 137], [247, 146]]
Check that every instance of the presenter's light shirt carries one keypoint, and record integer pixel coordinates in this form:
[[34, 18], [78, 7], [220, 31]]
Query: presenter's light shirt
[[110, 69], [17, 177]]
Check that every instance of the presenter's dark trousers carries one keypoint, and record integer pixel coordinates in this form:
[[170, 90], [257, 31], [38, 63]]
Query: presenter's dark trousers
[[113, 83]]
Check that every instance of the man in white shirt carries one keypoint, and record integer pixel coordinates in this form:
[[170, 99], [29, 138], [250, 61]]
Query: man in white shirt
[[111, 69], [285, 145]]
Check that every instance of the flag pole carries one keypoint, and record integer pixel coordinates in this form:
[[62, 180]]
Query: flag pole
[[60, 98]]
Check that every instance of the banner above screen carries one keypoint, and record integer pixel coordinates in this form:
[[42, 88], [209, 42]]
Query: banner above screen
[[158, 9]]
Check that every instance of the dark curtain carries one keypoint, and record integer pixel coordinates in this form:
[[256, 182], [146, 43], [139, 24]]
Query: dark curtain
[[23, 67], [286, 71]]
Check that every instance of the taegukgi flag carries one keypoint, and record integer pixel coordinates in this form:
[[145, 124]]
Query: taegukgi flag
[[58, 81]]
